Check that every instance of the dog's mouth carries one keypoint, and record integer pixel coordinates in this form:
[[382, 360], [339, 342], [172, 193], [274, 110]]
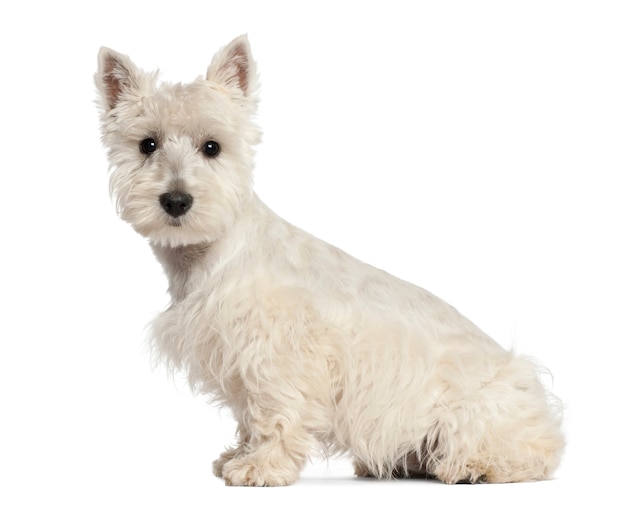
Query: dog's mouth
[[173, 222]]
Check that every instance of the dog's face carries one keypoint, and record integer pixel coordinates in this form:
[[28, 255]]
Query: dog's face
[[181, 154]]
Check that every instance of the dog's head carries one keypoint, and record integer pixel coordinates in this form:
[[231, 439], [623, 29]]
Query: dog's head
[[181, 154]]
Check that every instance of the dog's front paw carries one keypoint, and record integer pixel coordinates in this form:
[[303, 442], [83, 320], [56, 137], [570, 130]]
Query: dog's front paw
[[225, 457], [248, 472]]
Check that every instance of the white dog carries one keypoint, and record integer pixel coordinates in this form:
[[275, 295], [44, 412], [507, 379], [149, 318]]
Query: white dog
[[305, 344]]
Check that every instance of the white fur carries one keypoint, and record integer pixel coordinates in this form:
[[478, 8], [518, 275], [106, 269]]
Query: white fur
[[305, 344]]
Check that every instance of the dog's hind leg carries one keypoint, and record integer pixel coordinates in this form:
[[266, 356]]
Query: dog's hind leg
[[505, 430]]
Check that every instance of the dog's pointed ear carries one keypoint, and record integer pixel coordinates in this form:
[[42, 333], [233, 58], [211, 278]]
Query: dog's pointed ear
[[116, 78], [233, 67]]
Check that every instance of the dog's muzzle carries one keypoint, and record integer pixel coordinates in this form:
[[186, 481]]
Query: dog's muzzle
[[176, 204]]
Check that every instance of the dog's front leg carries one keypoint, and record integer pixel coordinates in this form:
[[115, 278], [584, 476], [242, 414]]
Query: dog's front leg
[[279, 403], [276, 448], [283, 402], [233, 452]]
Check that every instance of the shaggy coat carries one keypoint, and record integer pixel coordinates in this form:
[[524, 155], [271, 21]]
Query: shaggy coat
[[305, 344]]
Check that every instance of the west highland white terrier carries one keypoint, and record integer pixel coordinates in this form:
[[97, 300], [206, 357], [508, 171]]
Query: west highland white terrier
[[307, 346]]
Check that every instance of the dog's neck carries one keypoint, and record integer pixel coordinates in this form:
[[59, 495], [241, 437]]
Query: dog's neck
[[179, 263], [189, 266]]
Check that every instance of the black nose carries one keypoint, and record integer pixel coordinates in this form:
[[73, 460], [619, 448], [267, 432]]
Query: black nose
[[175, 203]]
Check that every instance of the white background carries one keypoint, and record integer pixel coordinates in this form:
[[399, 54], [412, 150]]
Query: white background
[[473, 148]]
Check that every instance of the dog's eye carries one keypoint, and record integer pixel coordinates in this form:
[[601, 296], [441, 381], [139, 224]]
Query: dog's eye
[[211, 149], [148, 145]]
